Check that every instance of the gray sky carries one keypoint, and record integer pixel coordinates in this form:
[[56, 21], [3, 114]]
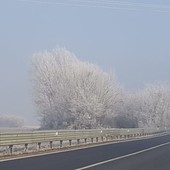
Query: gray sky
[[131, 38]]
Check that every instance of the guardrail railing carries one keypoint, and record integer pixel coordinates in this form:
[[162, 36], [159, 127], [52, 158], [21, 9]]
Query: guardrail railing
[[38, 137]]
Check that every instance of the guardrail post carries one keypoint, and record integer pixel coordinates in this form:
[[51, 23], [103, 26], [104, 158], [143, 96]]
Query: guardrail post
[[97, 139], [26, 147], [78, 141], [61, 143], [10, 149], [39, 145], [70, 142], [85, 140], [91, 140], [51, 144]]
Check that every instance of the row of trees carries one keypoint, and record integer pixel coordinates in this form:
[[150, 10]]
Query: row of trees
[[10, 121], [150, 107], [73, 94]]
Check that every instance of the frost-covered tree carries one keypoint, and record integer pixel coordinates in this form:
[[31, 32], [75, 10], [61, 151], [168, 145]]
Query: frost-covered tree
[[127, 116], [70, 93], [150, 106], [155, 105], [10, 121]]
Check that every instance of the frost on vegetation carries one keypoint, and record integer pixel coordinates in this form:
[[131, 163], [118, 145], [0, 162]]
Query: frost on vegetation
[[73, 94], [155, 106], [149, 107], [7, 121]]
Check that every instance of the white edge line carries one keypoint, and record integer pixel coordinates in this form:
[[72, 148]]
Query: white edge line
[[121, 157]]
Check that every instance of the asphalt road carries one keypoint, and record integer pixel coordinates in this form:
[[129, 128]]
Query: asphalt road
[[155, 159]]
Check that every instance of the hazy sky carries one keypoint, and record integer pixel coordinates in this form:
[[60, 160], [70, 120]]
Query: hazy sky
[[131, 38]]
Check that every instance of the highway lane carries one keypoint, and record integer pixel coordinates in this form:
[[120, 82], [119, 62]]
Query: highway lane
[[83, 157], [154, 159]]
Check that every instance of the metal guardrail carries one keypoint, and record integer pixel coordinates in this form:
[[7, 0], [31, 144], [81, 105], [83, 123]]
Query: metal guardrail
[[38, 137]]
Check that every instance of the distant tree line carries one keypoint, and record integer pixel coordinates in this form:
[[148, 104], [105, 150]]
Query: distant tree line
[[11, 121], [71, 94]]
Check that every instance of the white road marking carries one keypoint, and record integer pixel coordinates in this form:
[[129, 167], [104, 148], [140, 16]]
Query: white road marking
[[121, 157]]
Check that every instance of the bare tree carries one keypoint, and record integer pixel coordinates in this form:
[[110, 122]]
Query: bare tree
[[156, 105], [150, 106], [127, 116], [72, 94]]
